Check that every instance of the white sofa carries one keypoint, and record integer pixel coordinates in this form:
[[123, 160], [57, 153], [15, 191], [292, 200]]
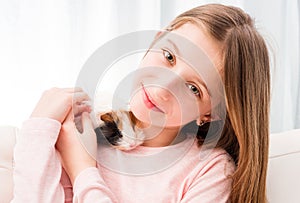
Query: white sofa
[[283, 182], [7, 142]]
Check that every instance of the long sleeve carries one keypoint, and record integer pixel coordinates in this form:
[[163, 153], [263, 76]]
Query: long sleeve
[[90, 187], [37, 168], [212, 183]]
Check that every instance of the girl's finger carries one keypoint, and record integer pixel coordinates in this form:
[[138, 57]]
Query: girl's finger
[[88, 136], [78, 109], [87, 122], [79, 97]]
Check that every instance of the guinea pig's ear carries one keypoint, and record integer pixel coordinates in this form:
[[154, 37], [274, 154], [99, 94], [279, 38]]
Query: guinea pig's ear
[[107, 117], [110, 117]]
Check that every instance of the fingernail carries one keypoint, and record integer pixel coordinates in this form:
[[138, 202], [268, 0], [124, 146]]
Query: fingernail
[[86, 114]]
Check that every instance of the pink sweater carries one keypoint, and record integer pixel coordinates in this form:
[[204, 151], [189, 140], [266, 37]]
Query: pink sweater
[[38, 175]]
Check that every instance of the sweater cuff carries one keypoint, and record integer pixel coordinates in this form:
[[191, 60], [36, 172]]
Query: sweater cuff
[[36, 127], [86, 178]]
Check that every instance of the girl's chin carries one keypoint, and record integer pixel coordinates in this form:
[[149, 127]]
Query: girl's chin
[[146, 117], [143, 122]]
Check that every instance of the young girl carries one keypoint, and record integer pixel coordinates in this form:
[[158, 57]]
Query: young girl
[[235, 170]]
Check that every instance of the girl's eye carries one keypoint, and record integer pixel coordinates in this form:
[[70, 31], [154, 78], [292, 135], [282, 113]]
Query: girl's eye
[[193, 89], [170, 57]]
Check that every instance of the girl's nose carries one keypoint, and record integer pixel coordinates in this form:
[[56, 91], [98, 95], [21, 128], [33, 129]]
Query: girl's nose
[[163, 93], [168, 88]]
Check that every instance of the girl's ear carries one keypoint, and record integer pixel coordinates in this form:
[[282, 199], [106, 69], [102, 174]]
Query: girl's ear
[[203, 119], [207, 118], [198, 121]]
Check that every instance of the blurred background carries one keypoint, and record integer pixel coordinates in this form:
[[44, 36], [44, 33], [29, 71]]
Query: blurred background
[[45, 43]]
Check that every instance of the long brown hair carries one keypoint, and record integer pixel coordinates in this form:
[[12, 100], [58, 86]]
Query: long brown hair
[[246, 78]]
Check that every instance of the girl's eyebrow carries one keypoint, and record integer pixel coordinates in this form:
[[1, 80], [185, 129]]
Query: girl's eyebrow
[[174, 46]]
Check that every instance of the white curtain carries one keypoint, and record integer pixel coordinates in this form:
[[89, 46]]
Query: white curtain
[[279, 20], [44, 43]]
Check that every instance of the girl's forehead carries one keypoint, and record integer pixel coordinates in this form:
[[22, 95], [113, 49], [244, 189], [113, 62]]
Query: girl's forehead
[[198, 36], [187, 44]]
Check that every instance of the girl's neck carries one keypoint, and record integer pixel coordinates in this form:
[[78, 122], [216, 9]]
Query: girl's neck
[[157, 136]]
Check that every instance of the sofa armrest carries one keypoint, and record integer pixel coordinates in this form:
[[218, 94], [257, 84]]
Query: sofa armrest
[[283, 177], [7, 143]]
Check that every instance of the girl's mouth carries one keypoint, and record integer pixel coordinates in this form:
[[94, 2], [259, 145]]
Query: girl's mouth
[[149, 102]]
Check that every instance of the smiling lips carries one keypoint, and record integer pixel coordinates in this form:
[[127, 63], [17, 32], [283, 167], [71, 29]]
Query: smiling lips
[[148, 101]]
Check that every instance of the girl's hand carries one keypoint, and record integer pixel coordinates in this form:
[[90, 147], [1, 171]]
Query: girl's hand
[[56, 103], [77, 150]]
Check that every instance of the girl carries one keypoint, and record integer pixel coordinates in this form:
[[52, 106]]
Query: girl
[[235, 170]]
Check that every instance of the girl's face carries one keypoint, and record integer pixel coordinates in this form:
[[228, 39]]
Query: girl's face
[[170, 92]]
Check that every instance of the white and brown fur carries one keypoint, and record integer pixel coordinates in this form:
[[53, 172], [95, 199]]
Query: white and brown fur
[[120, 130]]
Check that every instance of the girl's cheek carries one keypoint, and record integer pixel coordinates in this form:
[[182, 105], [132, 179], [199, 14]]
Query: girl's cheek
[[138, 108]]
